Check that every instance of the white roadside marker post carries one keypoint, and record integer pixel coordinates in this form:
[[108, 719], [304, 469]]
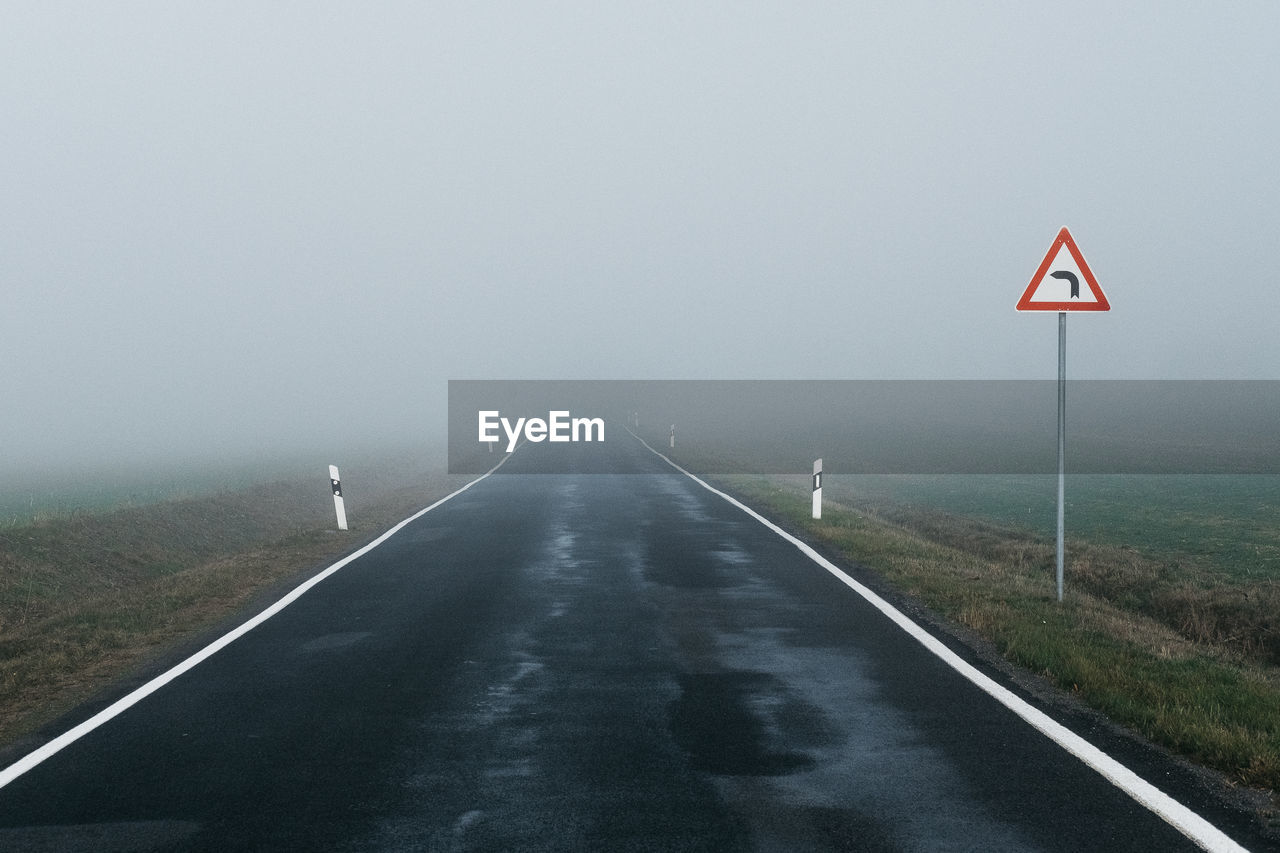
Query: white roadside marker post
[[338, 506], [817, 488]]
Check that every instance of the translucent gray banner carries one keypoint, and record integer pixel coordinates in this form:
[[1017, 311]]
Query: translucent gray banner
[[872, 426]]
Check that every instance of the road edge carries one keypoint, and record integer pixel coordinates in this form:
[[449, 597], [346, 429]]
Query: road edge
[[53, 747], [1177, 815]]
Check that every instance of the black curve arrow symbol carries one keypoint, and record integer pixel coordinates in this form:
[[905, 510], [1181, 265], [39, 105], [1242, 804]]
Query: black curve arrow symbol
[[1071, 277]]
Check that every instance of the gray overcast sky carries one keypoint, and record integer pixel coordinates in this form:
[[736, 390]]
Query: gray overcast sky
[[241, 226]]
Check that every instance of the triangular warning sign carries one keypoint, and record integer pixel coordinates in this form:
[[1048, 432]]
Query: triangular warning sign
[[1064, 281]]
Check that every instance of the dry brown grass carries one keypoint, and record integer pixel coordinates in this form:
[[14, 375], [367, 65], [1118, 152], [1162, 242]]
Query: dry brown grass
[[1203, 608], [87, 599]]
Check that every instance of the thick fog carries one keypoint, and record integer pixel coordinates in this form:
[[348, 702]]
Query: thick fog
[[236, 229]]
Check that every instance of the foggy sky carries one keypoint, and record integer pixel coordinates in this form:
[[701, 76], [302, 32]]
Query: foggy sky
[[233, 227]]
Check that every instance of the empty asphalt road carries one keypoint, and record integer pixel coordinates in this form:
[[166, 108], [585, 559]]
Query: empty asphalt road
[[612, 659]]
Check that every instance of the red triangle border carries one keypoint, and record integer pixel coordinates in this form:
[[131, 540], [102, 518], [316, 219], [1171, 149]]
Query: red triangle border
[[1064, 238]]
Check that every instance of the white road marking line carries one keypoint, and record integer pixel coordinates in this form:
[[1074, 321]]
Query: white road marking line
[[53, 747], [1170, 810]]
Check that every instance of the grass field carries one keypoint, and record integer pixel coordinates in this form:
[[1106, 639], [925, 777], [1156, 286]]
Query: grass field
[[89, 597], [28, 495], [1226, 526]]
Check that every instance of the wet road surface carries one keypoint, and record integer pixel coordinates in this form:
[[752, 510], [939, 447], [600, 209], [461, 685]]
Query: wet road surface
[[590, 661]]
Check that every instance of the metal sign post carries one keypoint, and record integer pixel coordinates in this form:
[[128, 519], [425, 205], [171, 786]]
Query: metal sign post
[[1056, 287], [1062, 440]]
